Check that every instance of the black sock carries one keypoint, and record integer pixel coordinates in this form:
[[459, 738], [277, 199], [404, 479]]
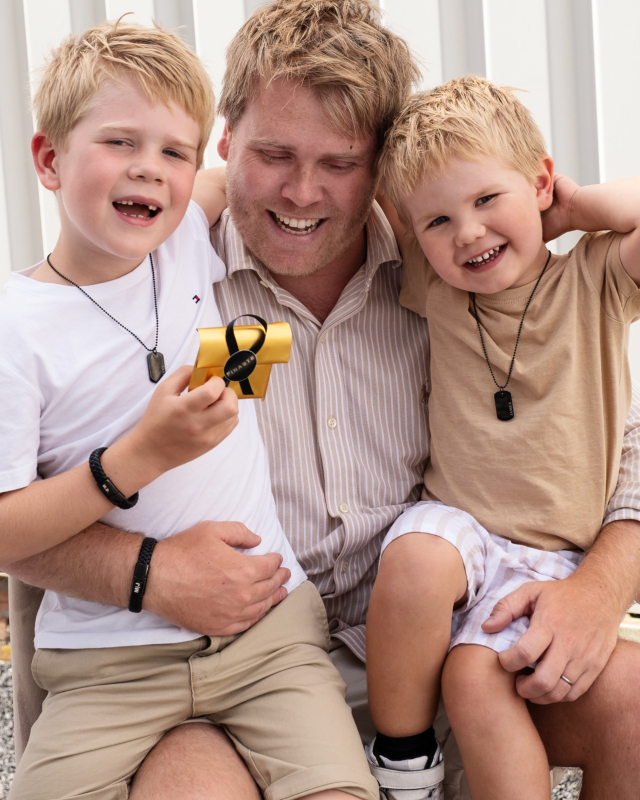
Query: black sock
[[402, 748]]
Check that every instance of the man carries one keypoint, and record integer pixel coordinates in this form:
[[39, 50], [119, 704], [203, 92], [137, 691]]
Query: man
[[310, 89]]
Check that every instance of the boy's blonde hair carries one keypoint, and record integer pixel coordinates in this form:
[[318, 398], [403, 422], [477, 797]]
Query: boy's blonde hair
[[164, 66], [464, 118], [361, 72]]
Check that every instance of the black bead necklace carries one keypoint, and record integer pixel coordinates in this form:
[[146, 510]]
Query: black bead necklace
[[155, 360], [503, 401]]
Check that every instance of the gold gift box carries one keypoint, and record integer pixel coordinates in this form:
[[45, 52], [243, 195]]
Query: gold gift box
[[214, 354]]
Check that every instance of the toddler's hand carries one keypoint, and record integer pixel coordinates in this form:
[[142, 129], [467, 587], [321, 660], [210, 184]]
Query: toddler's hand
[[177, 427], [556, 220]]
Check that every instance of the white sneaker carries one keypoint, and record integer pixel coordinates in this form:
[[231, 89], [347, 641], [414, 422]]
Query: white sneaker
[[408, 780]]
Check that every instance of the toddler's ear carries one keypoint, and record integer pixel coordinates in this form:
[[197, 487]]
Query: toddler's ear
[[44, 154], [544, 183]]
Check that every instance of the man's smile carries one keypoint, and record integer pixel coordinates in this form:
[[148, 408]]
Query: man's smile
[[294, 225]]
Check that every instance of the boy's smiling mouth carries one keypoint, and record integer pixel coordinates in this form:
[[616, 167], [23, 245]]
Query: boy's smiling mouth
[[138, 209], [487, 257]]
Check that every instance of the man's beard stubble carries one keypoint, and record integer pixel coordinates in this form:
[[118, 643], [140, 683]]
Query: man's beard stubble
[[328, 249]]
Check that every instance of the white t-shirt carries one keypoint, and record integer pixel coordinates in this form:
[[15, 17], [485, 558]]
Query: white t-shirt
[[71, 380]]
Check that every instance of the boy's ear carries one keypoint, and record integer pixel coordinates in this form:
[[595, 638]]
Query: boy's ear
[[44, 161], [544, 183], [225, 142]]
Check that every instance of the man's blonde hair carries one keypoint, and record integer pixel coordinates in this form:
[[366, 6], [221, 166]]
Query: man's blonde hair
[[361, 72], [164, 66], [464, 118]]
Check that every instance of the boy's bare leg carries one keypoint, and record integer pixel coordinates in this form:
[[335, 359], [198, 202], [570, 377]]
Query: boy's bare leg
[[501, 749], [421, 579]]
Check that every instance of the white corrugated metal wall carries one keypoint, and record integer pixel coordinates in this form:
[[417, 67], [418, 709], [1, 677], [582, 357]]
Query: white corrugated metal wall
[[578, 60]]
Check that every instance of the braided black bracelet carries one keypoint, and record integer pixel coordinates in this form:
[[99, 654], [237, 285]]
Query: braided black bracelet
[[140, 574], [106, 485]]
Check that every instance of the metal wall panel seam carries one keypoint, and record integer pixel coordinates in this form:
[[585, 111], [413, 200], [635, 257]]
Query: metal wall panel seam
[[176, 15], [418, 22], [47, 22], [22, 206], [597, 58], [213, 32], [142, 10], [5, 242]]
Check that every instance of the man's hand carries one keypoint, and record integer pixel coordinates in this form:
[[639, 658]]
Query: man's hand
[[573, 630], [198, 581], [556, 220]]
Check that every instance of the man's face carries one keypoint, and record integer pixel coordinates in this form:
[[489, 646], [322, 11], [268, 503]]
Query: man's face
[[299, 192]]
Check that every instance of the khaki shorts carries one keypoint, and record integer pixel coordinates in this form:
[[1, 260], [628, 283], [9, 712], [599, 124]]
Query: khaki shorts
[[273, 689]]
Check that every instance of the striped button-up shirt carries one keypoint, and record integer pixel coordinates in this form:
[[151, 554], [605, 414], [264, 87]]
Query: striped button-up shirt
[[345, 422]]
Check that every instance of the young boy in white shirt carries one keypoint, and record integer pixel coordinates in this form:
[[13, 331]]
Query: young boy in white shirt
[[124, 114], [531, 387]]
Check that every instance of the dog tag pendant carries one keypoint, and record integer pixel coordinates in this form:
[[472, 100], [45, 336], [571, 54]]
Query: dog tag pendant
[[504, 405], [155, 362]]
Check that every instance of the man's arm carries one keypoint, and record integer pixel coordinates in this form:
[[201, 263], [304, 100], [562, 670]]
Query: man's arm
[[576, 620], [209, 192], [197, 579]]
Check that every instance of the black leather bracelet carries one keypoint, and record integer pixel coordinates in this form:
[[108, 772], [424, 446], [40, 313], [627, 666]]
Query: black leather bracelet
[[140, 574], [106, 485]]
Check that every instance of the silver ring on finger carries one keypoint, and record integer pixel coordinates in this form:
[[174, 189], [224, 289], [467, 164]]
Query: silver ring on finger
[[566, 680]]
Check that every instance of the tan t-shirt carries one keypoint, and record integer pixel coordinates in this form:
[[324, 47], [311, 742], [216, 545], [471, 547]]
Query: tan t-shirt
[[554, 466]]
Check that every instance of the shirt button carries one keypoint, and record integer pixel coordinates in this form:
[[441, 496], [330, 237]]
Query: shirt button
[[264, 283], [332, 422], [343, 508], [345, 566], [323, 338]]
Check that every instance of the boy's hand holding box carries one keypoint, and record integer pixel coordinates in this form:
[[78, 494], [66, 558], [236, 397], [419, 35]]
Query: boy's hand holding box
[[242, 355]]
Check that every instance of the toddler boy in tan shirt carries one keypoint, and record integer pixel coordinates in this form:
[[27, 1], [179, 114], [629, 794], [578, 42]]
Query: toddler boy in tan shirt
[[531, 387]]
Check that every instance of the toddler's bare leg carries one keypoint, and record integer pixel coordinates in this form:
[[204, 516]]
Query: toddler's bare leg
[[421, 579], [501, 750]]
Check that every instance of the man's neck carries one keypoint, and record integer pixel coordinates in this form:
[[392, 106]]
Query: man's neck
[[321, 291]]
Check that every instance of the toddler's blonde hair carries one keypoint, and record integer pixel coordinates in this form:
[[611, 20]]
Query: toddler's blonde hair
[[465, 118]]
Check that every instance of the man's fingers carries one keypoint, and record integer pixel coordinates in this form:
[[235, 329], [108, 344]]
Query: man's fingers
[[527, 649], [546, 678], [272, 585], [255, 613], [258, 610], [562, 691], [235, 534], [516, 604], [238, 627]]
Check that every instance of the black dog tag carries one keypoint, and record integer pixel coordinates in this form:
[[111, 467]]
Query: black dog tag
[[504, 405], [155, 362]]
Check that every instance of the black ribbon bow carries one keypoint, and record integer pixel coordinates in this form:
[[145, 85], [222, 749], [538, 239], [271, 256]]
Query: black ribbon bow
[[241, 363]]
